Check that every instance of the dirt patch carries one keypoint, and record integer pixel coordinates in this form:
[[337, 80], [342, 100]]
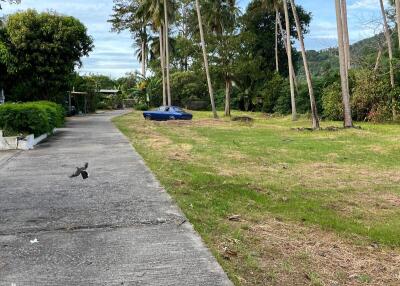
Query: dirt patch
[[158, 142], [345, 176], [199, 122], [378, 149], [292, 254]]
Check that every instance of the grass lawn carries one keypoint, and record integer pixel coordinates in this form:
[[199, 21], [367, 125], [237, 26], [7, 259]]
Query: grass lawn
[[316, 208]]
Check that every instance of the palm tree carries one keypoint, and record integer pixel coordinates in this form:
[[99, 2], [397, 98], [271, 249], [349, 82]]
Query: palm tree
[[390, 50], [206, 67], [276, 42], [348, 122], [272, 5], [162, 61], [396, 3], [154, 11], [290, 60], [221, 18], [127, 16], [166, 45], [142, 52], [282, 31], [314, 112], [346, 37]]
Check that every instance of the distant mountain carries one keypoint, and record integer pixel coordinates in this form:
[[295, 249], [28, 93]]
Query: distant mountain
[[363, 53]]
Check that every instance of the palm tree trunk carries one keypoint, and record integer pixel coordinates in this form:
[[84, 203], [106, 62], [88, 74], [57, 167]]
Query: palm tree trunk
[[290, 61], [398, 19], [162, 60], [285, 45], [143, 59], [390, 50], [348, 122], [144, 44], [314, 111], [203, 46], [228, 89], [378, 60], [166, 39], [346, 37], [388, 42], [276, 41]]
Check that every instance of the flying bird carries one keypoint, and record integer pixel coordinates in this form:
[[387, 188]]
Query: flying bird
[[81, 172]]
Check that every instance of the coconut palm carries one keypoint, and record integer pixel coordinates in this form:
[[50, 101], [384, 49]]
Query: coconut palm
[[205, 58], [155, 11], [346, 38], [290, 60], [314, 112], [276, 42], [166, 46], [388, 38], [126, 17], [221, 18], [396, 4], [272, 6], [348, 122], [283, 33]]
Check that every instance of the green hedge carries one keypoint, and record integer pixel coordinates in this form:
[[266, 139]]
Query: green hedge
[[31, 117]]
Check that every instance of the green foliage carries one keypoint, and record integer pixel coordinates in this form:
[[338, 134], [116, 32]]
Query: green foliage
[[142, 107], [31, 117], [276, 95], [102, 105], [332, 102], [43, 51], [370, 93], [187, 86]]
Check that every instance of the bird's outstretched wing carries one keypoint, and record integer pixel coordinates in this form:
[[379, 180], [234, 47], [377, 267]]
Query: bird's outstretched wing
[[76, 174], [86, 166]]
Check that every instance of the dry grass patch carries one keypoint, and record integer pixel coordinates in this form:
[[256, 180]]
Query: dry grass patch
[[294, 254]]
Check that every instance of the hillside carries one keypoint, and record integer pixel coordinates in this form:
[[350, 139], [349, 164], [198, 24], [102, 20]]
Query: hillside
[[363, 53]]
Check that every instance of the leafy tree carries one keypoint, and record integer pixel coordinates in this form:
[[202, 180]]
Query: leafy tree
[[43, 50]]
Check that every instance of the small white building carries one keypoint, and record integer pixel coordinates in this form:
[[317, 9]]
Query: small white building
[[2, 97]]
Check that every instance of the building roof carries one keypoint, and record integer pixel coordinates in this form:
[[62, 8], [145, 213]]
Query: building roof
[[109, 91]]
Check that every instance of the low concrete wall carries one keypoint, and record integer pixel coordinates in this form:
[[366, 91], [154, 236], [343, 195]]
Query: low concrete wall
[[27, 143], [8, 143]]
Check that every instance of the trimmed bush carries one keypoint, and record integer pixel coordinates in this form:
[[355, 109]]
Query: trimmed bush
[[31, 117], [142, 107], [332, 102]]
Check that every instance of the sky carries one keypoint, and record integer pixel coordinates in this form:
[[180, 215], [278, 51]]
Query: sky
[[113, 54]]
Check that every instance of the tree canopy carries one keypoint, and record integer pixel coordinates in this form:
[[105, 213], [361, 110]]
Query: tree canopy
[[40, 51]]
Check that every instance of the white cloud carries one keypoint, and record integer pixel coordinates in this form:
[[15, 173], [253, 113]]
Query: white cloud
[[365, 4]]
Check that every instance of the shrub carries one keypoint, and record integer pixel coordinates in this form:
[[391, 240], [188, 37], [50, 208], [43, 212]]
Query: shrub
[[142, 107], [31, 117], [332, 102], [370, 96], [103, 105], [186, 86], [276, 95], [380, 113]]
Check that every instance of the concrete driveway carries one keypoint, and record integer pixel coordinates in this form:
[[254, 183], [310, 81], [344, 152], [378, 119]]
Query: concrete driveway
[[119, 227]]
